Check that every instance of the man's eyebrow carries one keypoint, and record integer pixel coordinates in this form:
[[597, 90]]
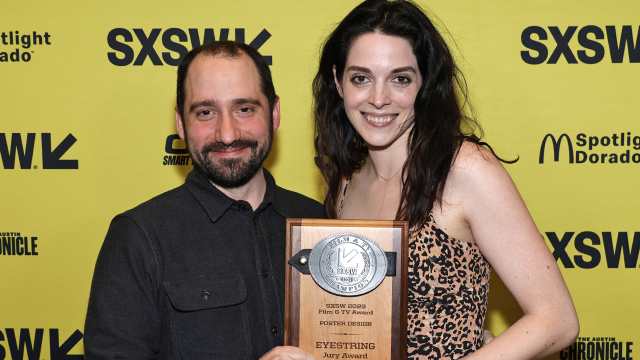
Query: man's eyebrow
[[203, 103], [236, 102], [247, 101]]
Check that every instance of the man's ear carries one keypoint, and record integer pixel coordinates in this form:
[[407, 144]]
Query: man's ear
[[179, 125], [276, 114], [338, 86]]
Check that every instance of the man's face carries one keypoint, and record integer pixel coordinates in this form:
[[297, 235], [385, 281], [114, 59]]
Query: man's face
[[226, 125]]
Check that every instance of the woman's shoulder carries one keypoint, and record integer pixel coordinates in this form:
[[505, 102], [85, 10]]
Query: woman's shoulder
[[477, 167], [471, 178], [474, 157]]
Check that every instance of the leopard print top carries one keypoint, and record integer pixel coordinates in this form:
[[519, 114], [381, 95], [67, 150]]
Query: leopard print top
[[448, 292]]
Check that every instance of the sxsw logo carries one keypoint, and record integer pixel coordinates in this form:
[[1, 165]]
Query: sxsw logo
[[618, 42], [24, 344], [592, 247], [615, 148], [173, 40], [23, 151]]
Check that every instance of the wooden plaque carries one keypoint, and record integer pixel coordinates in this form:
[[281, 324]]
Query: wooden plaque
[[367, 326]]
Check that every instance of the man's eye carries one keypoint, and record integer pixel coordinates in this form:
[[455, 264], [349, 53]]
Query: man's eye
[[246, 111], [205, 112]]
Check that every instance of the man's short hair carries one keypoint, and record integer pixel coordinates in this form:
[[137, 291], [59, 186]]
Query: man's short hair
[[230, 49]]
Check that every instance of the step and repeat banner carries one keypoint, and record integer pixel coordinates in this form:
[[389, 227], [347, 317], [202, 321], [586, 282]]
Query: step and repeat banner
[[87, 131]]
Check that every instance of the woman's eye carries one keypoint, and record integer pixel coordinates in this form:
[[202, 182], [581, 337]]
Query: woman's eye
[[403, 80], [359, 79]]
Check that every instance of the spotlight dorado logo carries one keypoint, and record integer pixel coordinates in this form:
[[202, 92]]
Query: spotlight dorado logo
[[615, 148], [20, 45], [173, 40]]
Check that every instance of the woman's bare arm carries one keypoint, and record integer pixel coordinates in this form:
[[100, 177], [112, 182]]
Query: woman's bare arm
[[503, 229]]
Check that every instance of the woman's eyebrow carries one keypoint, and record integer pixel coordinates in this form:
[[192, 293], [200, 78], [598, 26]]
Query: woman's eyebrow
[[359, 69], [404, 69], [394, 71]]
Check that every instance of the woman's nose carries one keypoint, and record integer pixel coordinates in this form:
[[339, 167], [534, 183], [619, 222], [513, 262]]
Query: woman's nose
[[379, 97]]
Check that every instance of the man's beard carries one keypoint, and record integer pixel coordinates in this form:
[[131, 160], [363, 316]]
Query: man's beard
[[233, 172]]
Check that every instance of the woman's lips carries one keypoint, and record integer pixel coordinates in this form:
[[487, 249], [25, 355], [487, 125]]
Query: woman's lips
[[379, 120]]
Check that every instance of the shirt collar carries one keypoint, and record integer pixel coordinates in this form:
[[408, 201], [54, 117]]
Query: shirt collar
[[215, 203]]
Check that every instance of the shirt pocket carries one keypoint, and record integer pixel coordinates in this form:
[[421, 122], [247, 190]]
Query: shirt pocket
[[209, 318]]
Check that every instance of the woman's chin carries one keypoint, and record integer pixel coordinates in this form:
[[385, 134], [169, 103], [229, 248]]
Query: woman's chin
[[379, 143]]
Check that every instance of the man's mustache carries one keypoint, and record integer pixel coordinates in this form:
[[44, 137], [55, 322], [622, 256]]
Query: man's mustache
[[236, 145]]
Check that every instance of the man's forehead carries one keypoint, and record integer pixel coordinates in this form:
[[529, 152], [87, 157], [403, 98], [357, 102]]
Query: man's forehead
[[222, 73], [220, 65]]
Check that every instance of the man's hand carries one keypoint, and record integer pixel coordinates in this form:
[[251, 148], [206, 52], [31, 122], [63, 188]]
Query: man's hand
[[287, 353]]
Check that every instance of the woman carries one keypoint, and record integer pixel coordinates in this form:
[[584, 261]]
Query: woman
[[393, 142]]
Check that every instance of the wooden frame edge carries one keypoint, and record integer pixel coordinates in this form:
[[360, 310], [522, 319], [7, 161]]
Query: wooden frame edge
[[399, 348]]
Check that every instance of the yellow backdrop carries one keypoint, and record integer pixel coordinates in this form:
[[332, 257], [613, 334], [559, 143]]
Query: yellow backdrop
[[87, 131]]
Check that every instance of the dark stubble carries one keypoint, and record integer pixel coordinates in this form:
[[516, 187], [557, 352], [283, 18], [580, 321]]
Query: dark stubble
[[234, 172]]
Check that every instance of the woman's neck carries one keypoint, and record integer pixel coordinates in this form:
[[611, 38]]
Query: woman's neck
[[387, 160]]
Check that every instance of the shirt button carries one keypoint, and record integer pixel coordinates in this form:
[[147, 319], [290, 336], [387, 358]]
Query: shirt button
[[241, 207], [206, 295], [274, 329], [265, 273]]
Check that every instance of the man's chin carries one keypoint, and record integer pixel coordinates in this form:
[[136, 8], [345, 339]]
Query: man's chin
[[230, 169], [228, 177]]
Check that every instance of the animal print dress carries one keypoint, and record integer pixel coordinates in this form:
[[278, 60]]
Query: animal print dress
[[448, 291]]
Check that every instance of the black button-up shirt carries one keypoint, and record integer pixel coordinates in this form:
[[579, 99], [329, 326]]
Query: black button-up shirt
[[192, 274]]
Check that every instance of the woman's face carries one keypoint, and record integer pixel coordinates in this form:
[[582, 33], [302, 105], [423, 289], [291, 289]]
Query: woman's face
[[379, 87]]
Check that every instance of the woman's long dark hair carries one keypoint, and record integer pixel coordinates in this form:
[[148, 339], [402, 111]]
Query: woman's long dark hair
[[440, 125]]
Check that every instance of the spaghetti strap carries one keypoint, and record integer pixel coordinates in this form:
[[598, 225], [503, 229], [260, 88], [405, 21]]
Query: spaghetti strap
[[344, 193]]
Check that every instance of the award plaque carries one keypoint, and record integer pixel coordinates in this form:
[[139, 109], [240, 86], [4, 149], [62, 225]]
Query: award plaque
[[346, 288]]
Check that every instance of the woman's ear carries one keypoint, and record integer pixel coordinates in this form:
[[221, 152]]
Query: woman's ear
[[338, 86]]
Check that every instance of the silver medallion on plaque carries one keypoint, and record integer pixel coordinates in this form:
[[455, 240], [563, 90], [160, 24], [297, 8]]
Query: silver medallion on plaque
[[347, 264]]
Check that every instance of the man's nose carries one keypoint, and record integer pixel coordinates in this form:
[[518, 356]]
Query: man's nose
[[227, 131], [378, 97]]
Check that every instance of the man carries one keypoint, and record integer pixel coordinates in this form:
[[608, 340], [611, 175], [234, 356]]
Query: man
[[198, 272]]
